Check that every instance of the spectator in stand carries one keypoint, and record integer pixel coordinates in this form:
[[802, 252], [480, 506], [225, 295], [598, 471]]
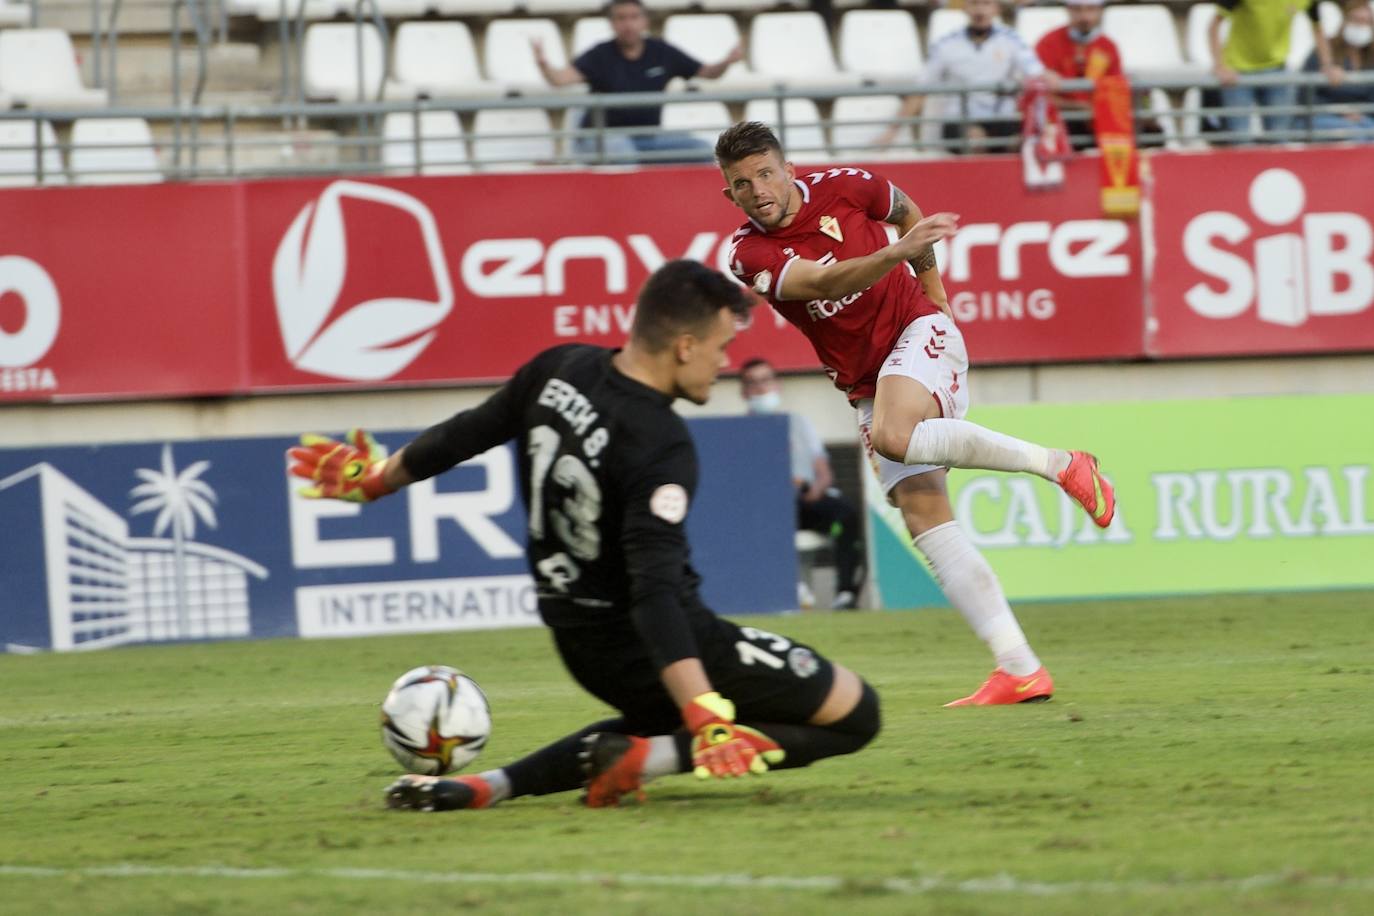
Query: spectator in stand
[[986, 51], [1351, 50], [1261, 32], [820, 507], [1079, 50], [633, 61]]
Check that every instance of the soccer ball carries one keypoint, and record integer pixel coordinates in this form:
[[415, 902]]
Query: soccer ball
[[435, 720]]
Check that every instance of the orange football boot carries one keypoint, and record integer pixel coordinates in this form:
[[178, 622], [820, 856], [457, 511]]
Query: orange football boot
[[614, 766], [1003, 689], [1085, 483]]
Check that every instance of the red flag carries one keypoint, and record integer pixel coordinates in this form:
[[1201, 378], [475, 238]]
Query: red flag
[[1115, 130], [1044, 140]]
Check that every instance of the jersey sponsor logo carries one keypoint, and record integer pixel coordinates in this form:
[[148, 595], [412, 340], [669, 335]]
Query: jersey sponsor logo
[[1314, 265], [23, 346], [763, 282], [831, 227], [365, 341], [821, 309], [669, 502]]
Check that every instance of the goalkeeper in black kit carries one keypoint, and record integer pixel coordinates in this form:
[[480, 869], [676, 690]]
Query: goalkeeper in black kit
[[608, 472]]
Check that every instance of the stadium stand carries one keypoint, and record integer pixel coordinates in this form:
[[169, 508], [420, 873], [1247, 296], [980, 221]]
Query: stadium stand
[[795, 49], [797, 123], [1147, 39], [442, 148], [509, 55], [332, 67], [512, 138], [439, 60], [1034, 22], [18, 159], [707, 37], [880, 44], [113, 151], [589, 31], [38, 69], [703, 120]]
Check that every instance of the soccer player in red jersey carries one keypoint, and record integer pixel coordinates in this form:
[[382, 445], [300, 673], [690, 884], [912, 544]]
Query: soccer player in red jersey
[[815, 245], [1080, 50]]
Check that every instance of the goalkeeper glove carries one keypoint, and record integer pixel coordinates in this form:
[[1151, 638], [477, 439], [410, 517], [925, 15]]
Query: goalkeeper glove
[[722, 748], [350, 470]]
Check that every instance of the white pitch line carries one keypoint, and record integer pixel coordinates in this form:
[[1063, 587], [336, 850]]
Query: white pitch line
[[994, 884]]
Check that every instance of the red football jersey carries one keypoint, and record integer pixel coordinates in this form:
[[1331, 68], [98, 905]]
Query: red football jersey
[[840, 218], [1063, 55]]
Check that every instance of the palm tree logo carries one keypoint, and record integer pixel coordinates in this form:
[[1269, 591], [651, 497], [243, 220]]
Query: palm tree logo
[[179, 499]]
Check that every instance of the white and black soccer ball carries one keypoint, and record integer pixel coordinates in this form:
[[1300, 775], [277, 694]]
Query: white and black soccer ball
[[435, 720]]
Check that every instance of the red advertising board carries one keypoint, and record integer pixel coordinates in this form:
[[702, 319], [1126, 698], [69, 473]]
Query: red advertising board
[[1262, 252], [120, 292]]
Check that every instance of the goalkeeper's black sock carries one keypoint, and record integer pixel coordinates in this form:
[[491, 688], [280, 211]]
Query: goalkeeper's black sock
[[556, 767], [805, 744]]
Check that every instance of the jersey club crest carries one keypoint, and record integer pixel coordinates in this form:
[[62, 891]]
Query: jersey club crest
[[831, 227]]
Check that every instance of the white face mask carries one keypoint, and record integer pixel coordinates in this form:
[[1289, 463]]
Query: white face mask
[[1084, 37], [768, 402], [1356, 35]]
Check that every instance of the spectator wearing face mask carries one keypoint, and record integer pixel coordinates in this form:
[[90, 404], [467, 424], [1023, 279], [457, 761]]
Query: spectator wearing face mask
[[820, 507], [1351, 50], [1079, 50]]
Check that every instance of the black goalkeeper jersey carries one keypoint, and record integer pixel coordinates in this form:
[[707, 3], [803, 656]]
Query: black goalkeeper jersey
[[607, 472]]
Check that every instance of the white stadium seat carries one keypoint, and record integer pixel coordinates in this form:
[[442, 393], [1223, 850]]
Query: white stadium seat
[[880, 44], [477, 7], [512, 138], [588, 32], [1199, 19], [942, 22], [442, 149], [1303, 41], [1035, 22], [38, 69], [18, 159], [113, 151], [12, 13], [271, 10], [795, 48], [331, 63], [561, 7], [509, 57], [438, 59], [703, 120], [799, 128], [709, 38], [856, 122], [736, 5], [1146, 36]]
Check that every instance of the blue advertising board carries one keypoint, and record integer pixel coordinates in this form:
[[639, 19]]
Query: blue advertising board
[[195, 540]]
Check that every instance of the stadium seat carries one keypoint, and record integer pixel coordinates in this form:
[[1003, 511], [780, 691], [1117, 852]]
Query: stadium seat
[[512, 138], [18, 160], [398, 9], [709, 38], [1035, 22], [476, 7], [439, 60], [1303, 42], [272, 10], [113, 151], [12, 13], [509, 56], [1199, 19], [588, 32], [795, 49], [443, 151], [942, 22], [38, 69], [561, 7], [736, 5], [856, 122], [331, 65], [799, 128], [703, 120], [880, 44], [1147, 39]]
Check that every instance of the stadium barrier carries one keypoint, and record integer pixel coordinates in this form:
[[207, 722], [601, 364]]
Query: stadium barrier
[[203, 540], [1211, 499], [216, 289]]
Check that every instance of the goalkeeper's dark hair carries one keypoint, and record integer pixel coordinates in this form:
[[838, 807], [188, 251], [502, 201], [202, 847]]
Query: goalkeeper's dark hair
[[745, 139], [684, 297]]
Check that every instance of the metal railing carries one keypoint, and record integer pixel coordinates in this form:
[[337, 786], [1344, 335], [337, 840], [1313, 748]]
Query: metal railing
[[219, 143]]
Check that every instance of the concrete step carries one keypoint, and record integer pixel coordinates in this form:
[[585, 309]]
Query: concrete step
[[144, 69]]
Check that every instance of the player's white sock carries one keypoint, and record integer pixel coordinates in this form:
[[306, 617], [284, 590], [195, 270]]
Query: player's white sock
[[662, 759], [961, 444], [499, 782], [972, 587]]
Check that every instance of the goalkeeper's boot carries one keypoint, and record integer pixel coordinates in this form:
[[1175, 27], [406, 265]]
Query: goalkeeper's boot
[[1003, 689], [438, 793], [613, 766], [1085, 483]]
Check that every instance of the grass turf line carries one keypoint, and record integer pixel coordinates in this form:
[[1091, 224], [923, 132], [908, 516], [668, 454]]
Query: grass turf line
[[1194, 745]]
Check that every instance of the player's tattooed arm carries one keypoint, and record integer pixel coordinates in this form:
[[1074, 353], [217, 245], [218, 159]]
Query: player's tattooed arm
[[902, 208], [904, 215]]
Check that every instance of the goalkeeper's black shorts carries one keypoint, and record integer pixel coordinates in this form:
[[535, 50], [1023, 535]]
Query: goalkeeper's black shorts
[[768, 677]]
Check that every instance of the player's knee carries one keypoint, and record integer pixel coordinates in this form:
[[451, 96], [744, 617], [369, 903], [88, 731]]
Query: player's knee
[[891, 440], [864, 721]]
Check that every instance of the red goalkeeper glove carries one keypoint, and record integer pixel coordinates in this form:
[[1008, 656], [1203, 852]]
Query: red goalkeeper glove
[[350, 470], [720, 747]]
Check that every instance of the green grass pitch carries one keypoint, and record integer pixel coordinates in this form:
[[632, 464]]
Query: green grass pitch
[[1202, 756]]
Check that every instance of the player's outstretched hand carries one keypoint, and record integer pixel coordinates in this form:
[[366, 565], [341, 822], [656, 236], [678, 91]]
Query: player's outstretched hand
[[350, 470], [928, 231], [722, 748]]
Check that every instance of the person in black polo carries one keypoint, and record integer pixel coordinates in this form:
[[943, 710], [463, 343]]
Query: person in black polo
[[634, 62]]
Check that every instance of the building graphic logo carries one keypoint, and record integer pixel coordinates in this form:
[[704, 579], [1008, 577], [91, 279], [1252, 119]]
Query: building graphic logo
[[106, 587]]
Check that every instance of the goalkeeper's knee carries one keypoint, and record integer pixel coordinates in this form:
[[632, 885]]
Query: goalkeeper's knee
[[864, 721]]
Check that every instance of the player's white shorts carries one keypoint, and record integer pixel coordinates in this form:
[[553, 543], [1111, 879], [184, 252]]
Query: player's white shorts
[[931, 350]]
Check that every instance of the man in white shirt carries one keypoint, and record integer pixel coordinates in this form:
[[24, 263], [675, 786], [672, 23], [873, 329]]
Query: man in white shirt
[[985, 51]]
